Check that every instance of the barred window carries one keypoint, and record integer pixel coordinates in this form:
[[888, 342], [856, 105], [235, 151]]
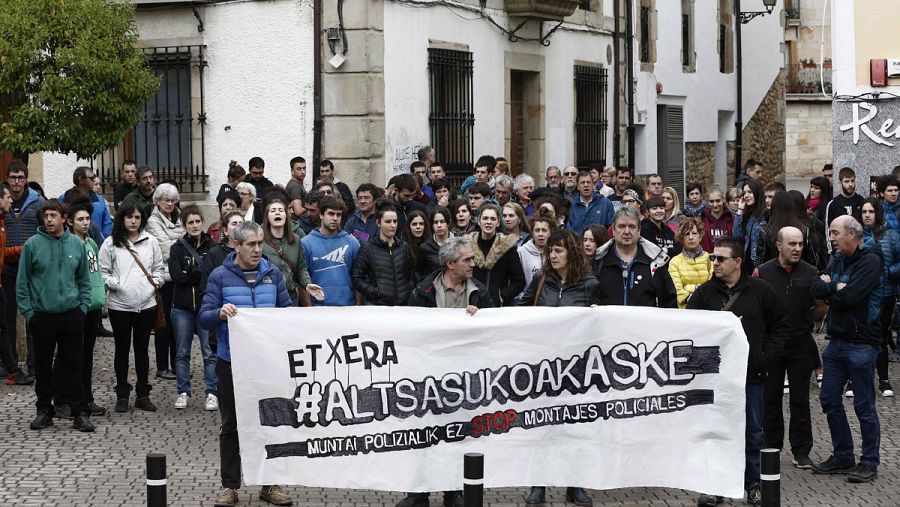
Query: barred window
[[169, 135], [452, 118], [590, 115], [645, 34]]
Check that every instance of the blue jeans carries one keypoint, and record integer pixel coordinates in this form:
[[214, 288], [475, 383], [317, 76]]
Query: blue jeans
[[843, 361], [755, 436], [185, 325]]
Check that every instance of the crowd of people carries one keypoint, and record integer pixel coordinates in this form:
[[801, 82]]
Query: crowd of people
[[784, 263]]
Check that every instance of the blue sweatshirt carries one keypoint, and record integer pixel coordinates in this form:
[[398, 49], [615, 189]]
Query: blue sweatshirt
[[329, 261]]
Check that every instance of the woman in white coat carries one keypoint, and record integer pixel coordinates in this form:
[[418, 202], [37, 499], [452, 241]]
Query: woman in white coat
[[164, 225], [132, 299]]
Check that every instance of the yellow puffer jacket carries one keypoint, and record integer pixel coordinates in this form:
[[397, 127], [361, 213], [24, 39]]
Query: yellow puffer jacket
[[688, 274]]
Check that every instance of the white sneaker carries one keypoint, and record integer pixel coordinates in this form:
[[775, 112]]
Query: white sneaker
[[212, 402], [182, 400]]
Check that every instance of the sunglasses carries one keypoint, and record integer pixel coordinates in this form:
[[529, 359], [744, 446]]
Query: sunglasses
[[719, 258]]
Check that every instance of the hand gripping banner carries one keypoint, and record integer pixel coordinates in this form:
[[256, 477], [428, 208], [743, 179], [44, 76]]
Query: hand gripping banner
[[391, 398]]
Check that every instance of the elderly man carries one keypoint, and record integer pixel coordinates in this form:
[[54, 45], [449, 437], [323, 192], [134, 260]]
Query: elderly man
[[632, 271], [791, 278], [244, 280], [852, 290], [451, 287], [523, 186]]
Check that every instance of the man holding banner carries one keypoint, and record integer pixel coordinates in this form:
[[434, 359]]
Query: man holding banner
[[755, 302], [452, 287], [244, 280]]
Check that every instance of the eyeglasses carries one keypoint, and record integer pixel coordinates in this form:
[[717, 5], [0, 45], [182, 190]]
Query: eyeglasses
[[719, 258], [16, 178], [570, 174]]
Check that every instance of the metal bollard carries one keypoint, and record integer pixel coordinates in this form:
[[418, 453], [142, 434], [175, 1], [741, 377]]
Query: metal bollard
[[156, 480], [473, 479], [770, 477]]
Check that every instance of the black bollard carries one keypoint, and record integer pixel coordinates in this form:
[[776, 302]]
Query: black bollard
[[770, 477], [156, 480], [473, 479]]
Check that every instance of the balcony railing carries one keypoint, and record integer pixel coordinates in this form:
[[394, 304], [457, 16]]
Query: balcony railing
[[806, 78]]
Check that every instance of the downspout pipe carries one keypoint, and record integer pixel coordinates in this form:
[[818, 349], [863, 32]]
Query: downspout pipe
[[617, 86], [318, 123], [629, 77]]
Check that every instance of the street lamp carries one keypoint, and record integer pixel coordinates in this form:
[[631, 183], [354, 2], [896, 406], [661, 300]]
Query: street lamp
[[743, 18]]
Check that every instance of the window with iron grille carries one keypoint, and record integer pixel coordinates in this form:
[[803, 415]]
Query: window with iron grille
[[723, 47], [452, 118], [685, 39], [645, 34], [169, 135], [590, 115]]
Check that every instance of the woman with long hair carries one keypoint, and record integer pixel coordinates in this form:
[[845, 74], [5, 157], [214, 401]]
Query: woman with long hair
[[516, 225], [126, 258], [691, 268], [497, 264], [462, 218], [185, 259], [281, 245], [814, 249], [383, 271], [417, 230], [593, 238], [750, 220], [533, 252], [565, 279], [820, 194], [781, 215], [876, 235], [673, 208], [164, 225], [427, 261]]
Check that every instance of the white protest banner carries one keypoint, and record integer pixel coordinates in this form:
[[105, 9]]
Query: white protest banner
[[391, 398]]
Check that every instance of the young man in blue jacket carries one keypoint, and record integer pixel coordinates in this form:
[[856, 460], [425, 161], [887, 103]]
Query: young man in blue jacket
[[244, 280], [330, 253]]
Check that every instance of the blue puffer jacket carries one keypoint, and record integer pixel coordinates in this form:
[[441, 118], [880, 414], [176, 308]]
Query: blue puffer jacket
[[22, 226], [891, 215], [890, 249], [226, 284]]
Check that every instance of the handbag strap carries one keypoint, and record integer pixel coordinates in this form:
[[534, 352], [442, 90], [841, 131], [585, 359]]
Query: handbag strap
[[284, 257], [537, 293], [141, 264], [191, 250]]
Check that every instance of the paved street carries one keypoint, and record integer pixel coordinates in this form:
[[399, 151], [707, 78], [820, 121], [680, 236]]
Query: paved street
[[60, 466]]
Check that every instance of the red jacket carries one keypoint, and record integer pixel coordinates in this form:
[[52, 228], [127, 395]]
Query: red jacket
[[715, 228]]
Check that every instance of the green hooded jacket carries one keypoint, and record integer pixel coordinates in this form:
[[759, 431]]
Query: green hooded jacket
[[54, 276], [98, 289]]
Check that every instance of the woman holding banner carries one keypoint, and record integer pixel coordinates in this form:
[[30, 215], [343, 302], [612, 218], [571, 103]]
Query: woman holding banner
[[565, 279]]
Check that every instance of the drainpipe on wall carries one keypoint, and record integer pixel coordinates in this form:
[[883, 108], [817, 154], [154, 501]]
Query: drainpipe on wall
[[318, 123], [739, 107], [617, 78], [629, 76]]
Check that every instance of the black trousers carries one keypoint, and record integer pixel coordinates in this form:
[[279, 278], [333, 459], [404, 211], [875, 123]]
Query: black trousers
[[164, 339], [886, 316], [11, 312], [798, 363], [91, 321], [7, 343], [59, 336], [128, 328], [229, 445]]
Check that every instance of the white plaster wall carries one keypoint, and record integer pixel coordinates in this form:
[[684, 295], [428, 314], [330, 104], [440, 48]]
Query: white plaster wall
[[706, 91], [259, 83], [407, 90]]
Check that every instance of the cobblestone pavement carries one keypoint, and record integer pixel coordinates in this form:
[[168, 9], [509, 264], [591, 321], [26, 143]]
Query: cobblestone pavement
[[60, 466]]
